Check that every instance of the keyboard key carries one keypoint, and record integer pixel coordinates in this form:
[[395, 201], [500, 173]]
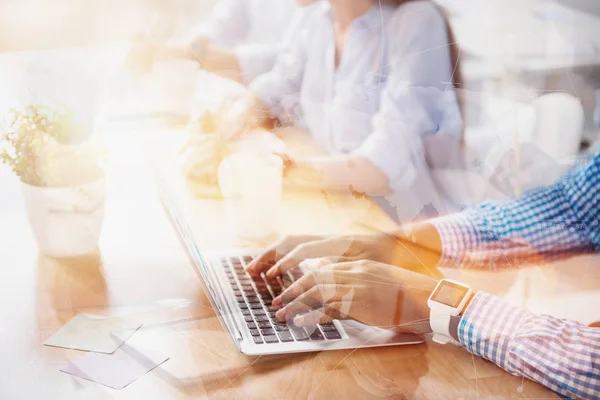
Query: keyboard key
[[267, 331], [285, 336], [246, 312], [328, 328], [251, 325], [252, 299], [262, 318], [240, 300], [247, 259], [281, 328], [243, 306], [257, 339], [254, 332], [299, 334], [248, 318], [264, 325], [333, 335], [266, 297], [259, 312], [270, 308], [261, 287], [286, 281], [316, 335], [256, 306], [276, 288], [271, 339]]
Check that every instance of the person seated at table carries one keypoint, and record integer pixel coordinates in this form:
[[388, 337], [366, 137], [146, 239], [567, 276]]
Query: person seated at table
[[359, 278], [241, 39], [372, 79]]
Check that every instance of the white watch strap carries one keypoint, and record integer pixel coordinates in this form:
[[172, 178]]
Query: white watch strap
[[440, 325]]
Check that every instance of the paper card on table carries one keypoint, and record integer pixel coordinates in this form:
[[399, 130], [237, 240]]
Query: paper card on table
[[116, 370], [94, 333]]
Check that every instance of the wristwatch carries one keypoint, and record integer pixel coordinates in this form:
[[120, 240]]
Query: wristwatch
[[447, 301]]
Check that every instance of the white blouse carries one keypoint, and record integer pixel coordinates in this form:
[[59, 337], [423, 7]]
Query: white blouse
[[393, 86]]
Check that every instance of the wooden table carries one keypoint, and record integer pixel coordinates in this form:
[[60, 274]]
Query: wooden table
[[140, 262]]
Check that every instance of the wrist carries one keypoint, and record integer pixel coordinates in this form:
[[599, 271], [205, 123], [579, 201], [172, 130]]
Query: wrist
[[419, 249], [261, 114], [455, 321]]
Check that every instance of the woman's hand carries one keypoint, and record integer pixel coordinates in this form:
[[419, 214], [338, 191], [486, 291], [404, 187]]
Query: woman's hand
[[369, 292], [243, 115], [286, 254], [201, 156]]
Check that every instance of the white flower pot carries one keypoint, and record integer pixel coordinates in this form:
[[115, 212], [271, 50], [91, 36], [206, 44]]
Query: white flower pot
[[66, 221]]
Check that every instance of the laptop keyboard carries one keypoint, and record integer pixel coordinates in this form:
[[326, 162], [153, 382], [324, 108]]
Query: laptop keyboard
[[254, 297]]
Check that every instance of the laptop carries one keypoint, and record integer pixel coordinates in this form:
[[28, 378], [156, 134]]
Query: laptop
[[244, 304]]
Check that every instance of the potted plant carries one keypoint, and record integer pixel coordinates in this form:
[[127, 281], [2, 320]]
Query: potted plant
[[62, 177]]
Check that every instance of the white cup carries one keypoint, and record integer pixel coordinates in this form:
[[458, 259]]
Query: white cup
[[251, 185]]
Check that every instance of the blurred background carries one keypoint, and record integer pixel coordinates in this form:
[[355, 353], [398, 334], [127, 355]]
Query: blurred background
[[513, 52]]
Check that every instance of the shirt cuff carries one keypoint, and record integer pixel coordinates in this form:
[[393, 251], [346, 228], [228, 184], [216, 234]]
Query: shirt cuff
[[488, 328], [459, 235]]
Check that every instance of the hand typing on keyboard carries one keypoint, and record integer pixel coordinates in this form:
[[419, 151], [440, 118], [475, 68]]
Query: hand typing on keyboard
[[254, 296], [367, 291], [286, 254]]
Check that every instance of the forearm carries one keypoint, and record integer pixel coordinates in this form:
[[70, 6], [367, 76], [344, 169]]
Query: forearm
[[552, 221], [222, 62], [560, 354], [339, 173], [212, 58], [418, 248], [174, 52]]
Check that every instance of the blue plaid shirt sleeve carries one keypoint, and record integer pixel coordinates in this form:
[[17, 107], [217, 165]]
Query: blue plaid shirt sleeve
[[557, 219], [562, 355]]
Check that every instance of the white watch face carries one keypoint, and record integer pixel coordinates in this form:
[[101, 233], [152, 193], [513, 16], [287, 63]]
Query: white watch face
[[449, 293]]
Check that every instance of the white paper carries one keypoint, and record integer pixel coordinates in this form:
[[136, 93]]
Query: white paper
[[94, 333], [116, 370]]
